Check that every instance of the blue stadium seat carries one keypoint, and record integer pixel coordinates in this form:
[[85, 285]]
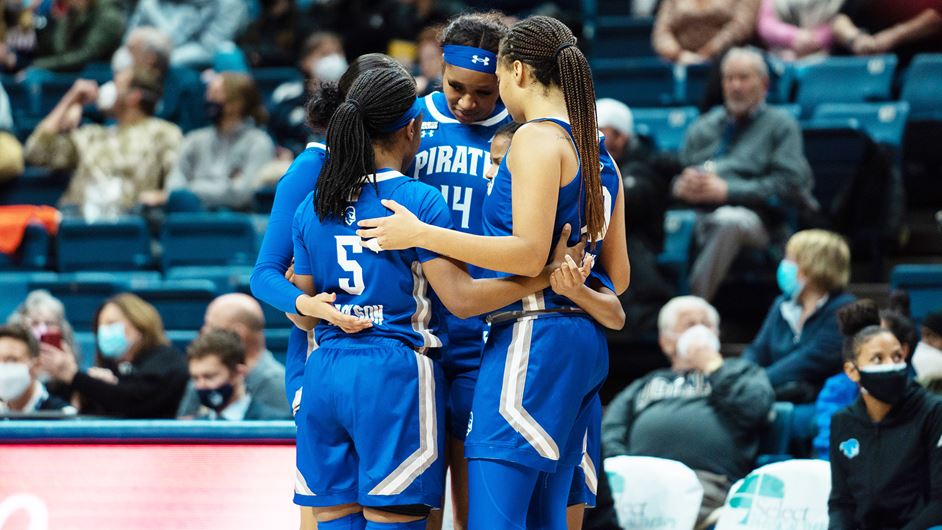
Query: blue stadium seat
[[921, 87], [46, 89], [667, 126], [85, 343], [884, 122], [181, 303], [119, 245], [99, 72], [791, 108], [80, 298], [35, 186], [781, 80], [127, 279], [678, 239], [773, 445], [276, 340], [227, 278], [622, 37], [692, 83], [845, 80], [14, 286], [198, 239], [635, 82], [268, 79], [181, 338], [835, 154], [33, 253], [924, 285]]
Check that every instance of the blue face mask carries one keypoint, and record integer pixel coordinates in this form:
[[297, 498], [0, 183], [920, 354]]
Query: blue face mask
[[112, 342], [787, 278]]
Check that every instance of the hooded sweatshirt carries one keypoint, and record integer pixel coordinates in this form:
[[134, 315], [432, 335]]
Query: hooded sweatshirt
[[887, 475]]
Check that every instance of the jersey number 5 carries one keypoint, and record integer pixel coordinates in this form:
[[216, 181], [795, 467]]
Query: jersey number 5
[[350, 265]]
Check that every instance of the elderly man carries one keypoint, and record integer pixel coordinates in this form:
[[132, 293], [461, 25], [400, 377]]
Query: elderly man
[[704, 411], [113, 164], [744, 166], [265, 379]]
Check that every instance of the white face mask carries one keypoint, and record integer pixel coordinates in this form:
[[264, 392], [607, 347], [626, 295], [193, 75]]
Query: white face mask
[[696, 336], [329, 69], [107, 96], [927, 361], [14, 380]]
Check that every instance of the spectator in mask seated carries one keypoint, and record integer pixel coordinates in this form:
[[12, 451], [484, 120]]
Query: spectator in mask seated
[[137, 374], [217, 370], [219, 164], [20, 390], [704, 411], [927, 357], [886, 447]]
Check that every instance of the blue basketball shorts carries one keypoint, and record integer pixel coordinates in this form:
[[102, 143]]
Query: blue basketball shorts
[[372, 433], [533, 399], [585, 480], [461, 362]]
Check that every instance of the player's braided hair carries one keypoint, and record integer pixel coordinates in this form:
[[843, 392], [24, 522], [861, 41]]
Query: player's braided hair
[[481, 30], [328, 96], [375, 101], [548, 46]]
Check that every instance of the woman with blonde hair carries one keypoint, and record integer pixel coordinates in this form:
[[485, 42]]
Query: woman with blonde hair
[[799, 344], [137, 373]]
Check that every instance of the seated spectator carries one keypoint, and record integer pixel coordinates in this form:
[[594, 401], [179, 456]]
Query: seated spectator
[[744, 165], [44, 315], [11, 152], [216, 360], [20, 389], [114, 164], [137, 374], [886, 459], [695, 31], [199, 28], [839, 391], [265, 377], [795, 29], [868, 27], [705, 411], [182, 100], [274, 38], [90, 31], [218, 165], [647, 180], [430, 63], [799, 344], [927, 357], [322, 61]]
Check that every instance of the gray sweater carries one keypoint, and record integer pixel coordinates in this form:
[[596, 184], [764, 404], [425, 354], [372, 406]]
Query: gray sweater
[[763, 163], [709, 423]]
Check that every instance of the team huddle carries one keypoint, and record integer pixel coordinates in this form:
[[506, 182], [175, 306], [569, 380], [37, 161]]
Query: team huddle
[[457, 289]]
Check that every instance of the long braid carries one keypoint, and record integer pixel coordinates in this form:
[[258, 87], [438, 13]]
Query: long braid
[[375, 100], [548, 46]]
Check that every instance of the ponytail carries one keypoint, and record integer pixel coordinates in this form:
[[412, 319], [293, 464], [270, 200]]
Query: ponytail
[[549, 47], [377, 100]]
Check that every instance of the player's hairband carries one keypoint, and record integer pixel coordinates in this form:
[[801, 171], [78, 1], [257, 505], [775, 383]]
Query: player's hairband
[[404, 120], [471, 58]]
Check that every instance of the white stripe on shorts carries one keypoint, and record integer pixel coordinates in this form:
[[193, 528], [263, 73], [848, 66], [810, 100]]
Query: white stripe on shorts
[[423, 308], [588, 466], [427, 453], [511, 392], [300, 485]]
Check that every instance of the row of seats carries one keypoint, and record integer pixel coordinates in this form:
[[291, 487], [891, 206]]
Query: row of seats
[[651, 82]]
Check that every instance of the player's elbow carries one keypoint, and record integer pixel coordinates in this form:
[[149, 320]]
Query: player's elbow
[[616, 320], [461, 308], [621, 281]]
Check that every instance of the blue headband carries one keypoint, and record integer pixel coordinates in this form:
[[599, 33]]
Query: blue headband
[[471, 58], [404, 120]]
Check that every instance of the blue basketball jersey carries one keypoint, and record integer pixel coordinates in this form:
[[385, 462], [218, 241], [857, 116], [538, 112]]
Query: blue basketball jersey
[[387, 287], [570, 208], [454, 157]]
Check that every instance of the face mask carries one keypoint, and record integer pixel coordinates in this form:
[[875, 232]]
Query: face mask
[[121, 60], [696, 336], [885, 382], [112, 342], [216, 398], [213, 111], [14, 380], [927, 361], [107, 96], [787, 278], [329, 69]]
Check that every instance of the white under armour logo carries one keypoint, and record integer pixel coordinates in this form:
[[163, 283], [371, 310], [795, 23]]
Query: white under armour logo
[[483, 60]]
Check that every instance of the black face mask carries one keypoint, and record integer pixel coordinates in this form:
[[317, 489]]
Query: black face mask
[[216, 398], [213, 111], [887, 386]]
